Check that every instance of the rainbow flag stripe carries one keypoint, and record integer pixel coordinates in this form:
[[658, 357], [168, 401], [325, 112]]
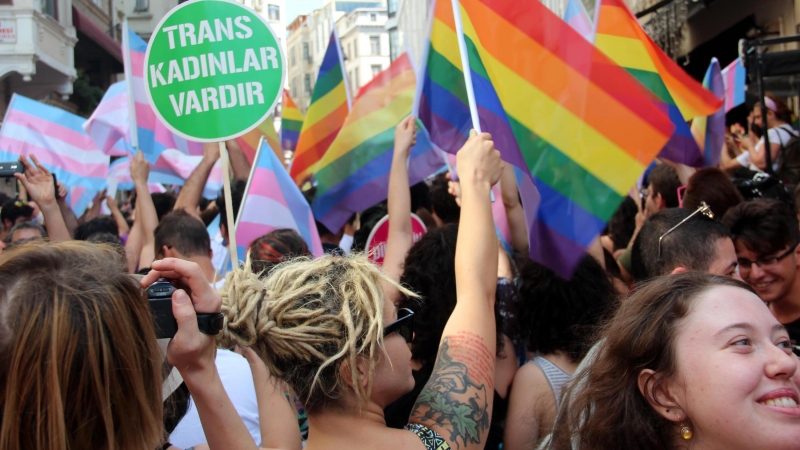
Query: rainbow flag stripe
[[354, 173], [291, 122], [249, 141], [330, 104], [709, 131], [443, 107], [559, 108], [622, 39]]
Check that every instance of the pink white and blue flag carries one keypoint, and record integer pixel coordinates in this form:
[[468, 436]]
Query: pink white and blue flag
[[108, 126], [576, 16], [152, 137], [119, 175], [734, 76], [79, 198], [273, 201], [57, 139]]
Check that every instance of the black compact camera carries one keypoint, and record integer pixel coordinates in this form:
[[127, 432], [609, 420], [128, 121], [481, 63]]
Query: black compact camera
[[159, 294], [8, 169]]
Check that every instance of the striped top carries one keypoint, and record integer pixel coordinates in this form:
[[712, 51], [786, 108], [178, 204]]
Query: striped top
[[555, 376]]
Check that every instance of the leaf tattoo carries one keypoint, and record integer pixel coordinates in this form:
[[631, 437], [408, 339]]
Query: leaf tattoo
[[453, 401]]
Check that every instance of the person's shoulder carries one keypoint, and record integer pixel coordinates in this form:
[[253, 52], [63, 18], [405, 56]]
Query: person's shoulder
[[530, 378]]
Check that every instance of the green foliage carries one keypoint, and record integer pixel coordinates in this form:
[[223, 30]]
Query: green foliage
[[85, 94]]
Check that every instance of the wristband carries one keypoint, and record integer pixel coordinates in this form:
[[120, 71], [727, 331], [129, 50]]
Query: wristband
[[210, 324]]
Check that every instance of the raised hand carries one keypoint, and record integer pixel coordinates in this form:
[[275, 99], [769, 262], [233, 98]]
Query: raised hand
[[140, 168], [405, 136], [211, 151], [38, 182], [478, 161]]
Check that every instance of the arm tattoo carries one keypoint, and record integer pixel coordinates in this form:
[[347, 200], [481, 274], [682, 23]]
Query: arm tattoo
[[457, 398]]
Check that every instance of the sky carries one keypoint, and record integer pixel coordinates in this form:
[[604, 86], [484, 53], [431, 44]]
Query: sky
[[295, 8]]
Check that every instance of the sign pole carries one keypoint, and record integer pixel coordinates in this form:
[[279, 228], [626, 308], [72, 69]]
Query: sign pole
[[226, 183]]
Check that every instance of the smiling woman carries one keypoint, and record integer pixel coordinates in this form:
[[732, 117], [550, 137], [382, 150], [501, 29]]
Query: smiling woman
[[688, 357]]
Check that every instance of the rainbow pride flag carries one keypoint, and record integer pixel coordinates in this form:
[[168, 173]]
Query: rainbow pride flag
[[273, 201], [250, 140], [576, 16], [622, 39], [354, 173], [442, 105], [709, 131], [734, 76], [330, 104], [291, 122], [557, 107]]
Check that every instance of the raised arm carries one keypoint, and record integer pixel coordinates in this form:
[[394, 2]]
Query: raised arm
[[516, 215], [457, 400], [239, 164], [70, 219], [122, 224], [192, 190], [146, 215], [39, 184], [400, 237]]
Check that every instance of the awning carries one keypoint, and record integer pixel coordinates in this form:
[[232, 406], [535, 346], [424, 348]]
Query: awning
[[87, 27]]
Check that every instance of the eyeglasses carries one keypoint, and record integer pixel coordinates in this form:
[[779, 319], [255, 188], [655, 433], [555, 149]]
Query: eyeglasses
[[765, 263], [703, 209], [404, 325]]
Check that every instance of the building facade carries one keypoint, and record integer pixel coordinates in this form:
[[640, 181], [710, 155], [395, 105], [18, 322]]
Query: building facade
[[365, 44], [300, 73]]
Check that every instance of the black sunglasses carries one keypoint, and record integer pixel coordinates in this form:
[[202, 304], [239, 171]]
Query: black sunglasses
[[404, 325]]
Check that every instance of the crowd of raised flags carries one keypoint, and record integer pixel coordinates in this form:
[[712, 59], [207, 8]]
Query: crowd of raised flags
[[560, 97]]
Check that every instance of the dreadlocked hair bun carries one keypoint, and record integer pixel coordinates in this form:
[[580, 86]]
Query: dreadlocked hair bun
[[305, 318]]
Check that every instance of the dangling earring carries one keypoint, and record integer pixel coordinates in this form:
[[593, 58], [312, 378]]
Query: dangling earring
[[686, 432]]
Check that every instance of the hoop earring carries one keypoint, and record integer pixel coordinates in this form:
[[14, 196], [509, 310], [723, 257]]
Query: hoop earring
[[686, 432]]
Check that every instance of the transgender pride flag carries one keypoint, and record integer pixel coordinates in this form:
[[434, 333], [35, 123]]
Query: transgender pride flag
[[734, 77], [109, 125], [57, 138], [273, 201], [576, 16], [152, 137]]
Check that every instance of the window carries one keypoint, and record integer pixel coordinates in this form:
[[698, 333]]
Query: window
[[293, 87], [394, 44], [376, 69], [306, 54], [392, 8], [375, 45], [49, 7], [357, 81], [307, 83], [373, 17], [292, 62], [355, 49], [274, 12], [141, 6]]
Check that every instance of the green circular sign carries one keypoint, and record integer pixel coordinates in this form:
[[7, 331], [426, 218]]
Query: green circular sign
[[213, 70]]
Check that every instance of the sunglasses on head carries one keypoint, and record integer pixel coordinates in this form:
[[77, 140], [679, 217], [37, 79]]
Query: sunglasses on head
[[404, 325]]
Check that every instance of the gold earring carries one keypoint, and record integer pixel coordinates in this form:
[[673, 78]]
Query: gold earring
[[686, 432]]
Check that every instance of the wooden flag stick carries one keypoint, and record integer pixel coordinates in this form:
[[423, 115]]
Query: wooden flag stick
[[226, 181]]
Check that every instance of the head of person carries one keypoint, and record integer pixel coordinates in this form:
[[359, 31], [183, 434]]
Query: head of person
[[692, 356], [183, 236], [778, 112], [765, 233], [103, 224], [699, 243], [369, 218], [319, 325], [163, 201], [237, 194], [623, 223], [326, 235], [662, 190], [81, 365], [26, 232], [14, 212], [445, 209], [562, 315], [712, 186], [276, 247], [429, 271]]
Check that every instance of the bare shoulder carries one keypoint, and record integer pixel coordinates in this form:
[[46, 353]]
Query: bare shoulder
[[531, 380]]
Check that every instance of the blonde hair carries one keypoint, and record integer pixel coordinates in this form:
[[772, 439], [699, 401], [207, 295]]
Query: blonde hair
[[81, 366], [306, 318]]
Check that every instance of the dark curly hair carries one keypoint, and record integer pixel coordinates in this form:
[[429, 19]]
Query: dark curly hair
[[623, 223], [444, 205], [430, 272], [562, 315], [275, 247], [102, 224]]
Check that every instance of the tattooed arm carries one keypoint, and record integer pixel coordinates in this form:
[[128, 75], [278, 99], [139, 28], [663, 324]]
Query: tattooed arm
[[457, 400]]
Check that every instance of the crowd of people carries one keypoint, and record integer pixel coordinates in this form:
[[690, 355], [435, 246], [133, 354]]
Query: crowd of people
[[677, 329]]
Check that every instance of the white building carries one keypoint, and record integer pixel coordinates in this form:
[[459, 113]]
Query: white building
[[365, 44], [301, 71]]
